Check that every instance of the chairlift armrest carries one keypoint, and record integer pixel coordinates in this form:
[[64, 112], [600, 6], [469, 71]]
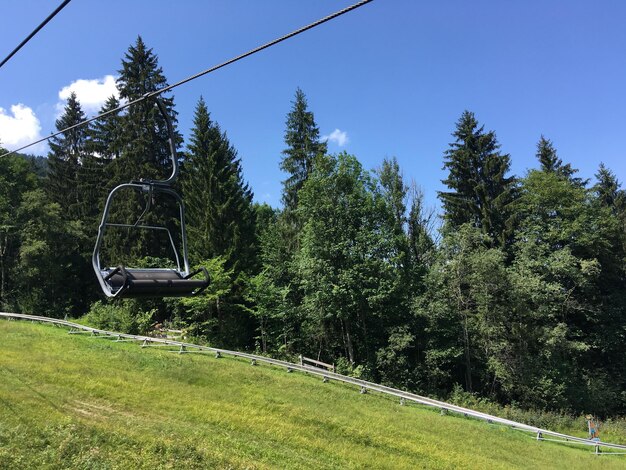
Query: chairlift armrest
[[122, 270], [206, 277], [198, 271], [119, 269]]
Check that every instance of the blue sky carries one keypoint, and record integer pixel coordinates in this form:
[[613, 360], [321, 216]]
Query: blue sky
[[392, 77]]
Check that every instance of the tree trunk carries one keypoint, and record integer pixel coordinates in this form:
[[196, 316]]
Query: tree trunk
[[349, 342], [468, 360], [263, 337], [220, 320], [466, 340], [3, 250]]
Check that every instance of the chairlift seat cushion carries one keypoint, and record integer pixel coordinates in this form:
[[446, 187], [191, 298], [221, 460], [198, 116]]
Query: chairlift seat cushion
[[154, 283]]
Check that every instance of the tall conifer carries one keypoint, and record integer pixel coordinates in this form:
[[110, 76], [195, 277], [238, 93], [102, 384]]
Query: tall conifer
[[302, 137], [551, 163], [219, 203], [480, 191], [67, 152], [143, 153], [95, 175], [144, 137]]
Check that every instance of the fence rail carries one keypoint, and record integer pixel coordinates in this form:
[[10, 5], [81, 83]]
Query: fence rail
[[307, 360], [365, 386]]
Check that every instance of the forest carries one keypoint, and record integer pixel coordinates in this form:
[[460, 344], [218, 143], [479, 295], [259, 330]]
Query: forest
[[515, 291]]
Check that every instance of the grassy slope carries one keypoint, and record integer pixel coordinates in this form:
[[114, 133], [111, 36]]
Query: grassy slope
[[80, 402]]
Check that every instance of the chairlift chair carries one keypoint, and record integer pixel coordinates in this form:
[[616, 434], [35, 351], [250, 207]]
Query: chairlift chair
[[123, 281]]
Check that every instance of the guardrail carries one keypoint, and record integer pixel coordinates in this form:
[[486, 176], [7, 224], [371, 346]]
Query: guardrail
[[365, 386]]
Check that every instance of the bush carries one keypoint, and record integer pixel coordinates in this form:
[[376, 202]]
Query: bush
[[122, 317], [611, 430]]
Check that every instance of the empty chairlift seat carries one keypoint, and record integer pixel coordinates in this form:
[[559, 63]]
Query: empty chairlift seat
[[154, 282], [123, 281]]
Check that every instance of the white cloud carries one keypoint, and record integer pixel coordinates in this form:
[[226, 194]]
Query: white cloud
[[90, 93], [20, 127], [338, 137]]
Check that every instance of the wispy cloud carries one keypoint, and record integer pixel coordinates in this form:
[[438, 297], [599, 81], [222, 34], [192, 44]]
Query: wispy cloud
[[338, 137], [90, 93], [19, 127]]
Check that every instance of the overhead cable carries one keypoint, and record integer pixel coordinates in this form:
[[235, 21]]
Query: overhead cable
[[199, 74], [35, 31]]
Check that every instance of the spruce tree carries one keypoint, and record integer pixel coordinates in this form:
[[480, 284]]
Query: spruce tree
[[302, 137], [546, 154], [420, 222], [144, 137], [67, 152], [71, 204], [219, 203], [480, 190], [106, 132], [551, 163], [144, 153], [608, 190]]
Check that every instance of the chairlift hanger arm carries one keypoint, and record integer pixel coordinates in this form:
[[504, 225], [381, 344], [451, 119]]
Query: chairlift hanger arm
[[172, 144]]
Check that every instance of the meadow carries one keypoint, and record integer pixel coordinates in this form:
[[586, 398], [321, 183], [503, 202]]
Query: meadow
[[74, 401]]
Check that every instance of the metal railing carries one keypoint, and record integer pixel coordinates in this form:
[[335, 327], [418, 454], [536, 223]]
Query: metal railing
[[315, 363], [365, 386]]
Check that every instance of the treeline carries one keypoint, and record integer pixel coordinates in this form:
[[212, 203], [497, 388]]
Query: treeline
[[519, 297]]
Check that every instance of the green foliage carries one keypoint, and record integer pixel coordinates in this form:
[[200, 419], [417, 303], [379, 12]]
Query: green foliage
[[73, 184], [551, 163], [66, 156], [105, 133], [143, 141], [51, 270], [125, 316], [522, 299], [218, 314], [303, 145], [71, 401], [465, 308], [220, 218], [350, 266], [563, 262], [142, 150], [480, 193], [16, 178], [270, 304]]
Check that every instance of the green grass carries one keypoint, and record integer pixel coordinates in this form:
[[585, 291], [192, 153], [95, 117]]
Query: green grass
[[73, 401]]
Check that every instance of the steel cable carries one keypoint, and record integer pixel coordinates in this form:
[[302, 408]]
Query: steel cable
[[198, 75], [35, 31]]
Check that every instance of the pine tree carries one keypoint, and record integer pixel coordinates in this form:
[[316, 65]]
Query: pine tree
[[144, 137], [551, 163], [144, 153], [67, 152], [608, 190], [219, 203], [95, 177], [480, 192], [546, 153], [302, 137], [71, 200], [106, 132], [420, 222]]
